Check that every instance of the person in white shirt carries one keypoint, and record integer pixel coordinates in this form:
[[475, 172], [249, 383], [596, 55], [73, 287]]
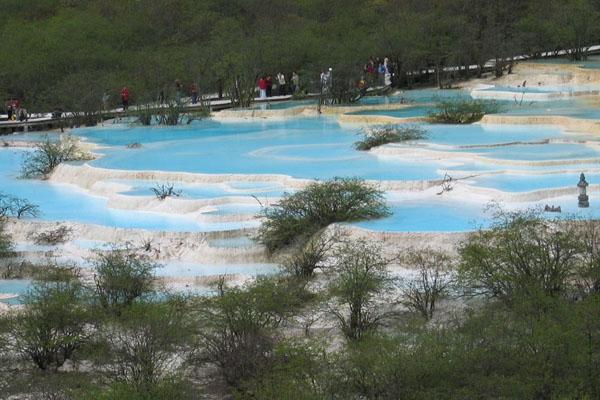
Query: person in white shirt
[[281, 82]]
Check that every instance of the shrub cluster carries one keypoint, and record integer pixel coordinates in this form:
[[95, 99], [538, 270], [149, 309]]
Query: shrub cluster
[[380, 135], [533, 332], [50, 154], [300, 215], [462, 111]]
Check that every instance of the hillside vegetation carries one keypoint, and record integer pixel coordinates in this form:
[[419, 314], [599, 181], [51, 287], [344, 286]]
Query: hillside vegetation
[[67, 54]]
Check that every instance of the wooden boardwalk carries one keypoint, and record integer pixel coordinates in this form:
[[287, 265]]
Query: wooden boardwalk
[[49, 122]]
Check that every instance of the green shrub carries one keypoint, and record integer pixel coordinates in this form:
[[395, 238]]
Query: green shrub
[[145, 114], [52, 326], [149, 342], [462, 111], [121, 277], [522, 254], [300, 215], [169, 388], [380, 135], [238, 326], [171, 115], [50, 154], [359, 283]]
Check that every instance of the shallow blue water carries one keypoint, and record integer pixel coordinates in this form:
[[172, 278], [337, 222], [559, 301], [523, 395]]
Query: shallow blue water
[[570, 108], [418, 96], [434, 216], [450, 215], [525, 183], [231, 243], [526, 89], [283, 105], [303, 148], [540, 152], [471, 135], [417, 111], [14, 286], [183, 269], [67, 203], [593, 62], [207, 191]]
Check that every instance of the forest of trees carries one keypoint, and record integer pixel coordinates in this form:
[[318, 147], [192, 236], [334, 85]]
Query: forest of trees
[[512, 315], [66, 54]]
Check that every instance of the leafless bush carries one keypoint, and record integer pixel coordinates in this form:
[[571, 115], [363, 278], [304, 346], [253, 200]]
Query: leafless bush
[[433, 279], [55, 236], [305, 260], [11, 206], [162, 191], [50, 154]]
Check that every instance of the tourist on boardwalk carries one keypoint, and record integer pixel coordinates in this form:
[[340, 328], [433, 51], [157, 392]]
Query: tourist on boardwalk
[[125, 98], [194, 93], [178, 91], [105, 101], [262, 87], [281, 83], [381, 72], [269, 86], [10, 111], [295, 82], [23, 115], [325, 80], [387, 77]]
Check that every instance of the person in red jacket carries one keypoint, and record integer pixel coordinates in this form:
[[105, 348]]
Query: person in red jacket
[[262, 86], [125, 98]]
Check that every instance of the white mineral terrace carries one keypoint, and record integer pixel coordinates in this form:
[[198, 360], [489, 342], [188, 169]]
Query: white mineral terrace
[[227, 167]]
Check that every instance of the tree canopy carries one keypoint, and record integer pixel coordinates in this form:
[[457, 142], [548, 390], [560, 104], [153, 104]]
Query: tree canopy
[[56, 53]]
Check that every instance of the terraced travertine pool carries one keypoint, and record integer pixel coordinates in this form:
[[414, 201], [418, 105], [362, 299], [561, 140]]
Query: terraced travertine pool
[[226, 171], [299, 148]]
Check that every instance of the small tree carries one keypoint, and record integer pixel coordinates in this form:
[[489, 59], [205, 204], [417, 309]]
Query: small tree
[[461, 111], [148, 342], [298, 216], [360, 278], [58, 235], [121, 277], [238, 326], [11, 206], [52, 325], [379, 135], [431, 283], [50, 154], [303, 262], [521, 254]]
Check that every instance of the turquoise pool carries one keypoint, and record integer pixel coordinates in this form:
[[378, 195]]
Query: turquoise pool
[[17, 287], [526, 183], [60, 202], [306, 148]]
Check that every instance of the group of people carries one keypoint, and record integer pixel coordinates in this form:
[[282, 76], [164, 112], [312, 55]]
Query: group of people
[[15, 112], [284, 85], [378, 71]]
